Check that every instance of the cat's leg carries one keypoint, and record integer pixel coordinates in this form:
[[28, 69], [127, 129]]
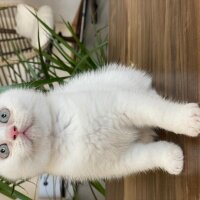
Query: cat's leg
[[150, 109], [142, 157]]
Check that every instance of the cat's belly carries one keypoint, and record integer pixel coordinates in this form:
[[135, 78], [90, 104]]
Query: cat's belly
[[91, 155], [91, 138]]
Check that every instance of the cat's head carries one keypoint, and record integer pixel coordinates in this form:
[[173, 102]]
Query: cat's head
[[25, 128]]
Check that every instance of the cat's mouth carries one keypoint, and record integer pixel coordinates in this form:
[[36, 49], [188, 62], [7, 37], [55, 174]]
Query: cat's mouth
[[23, 133], [26, 131]]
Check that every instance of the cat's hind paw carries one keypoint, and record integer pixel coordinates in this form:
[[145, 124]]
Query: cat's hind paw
[[174, 159]]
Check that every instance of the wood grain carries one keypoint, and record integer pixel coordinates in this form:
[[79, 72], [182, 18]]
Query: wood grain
[[163, 38]]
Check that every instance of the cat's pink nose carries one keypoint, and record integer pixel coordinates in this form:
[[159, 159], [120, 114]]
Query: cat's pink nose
[[14, 132]]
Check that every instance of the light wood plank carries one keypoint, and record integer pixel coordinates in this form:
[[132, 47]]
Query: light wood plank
[[163, 38]]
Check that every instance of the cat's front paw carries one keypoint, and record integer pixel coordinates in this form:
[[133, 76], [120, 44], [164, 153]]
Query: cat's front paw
[[188, 120], [173, 163]]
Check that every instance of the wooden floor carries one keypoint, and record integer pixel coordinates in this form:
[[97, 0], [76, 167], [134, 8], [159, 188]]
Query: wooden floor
[[163, 38]]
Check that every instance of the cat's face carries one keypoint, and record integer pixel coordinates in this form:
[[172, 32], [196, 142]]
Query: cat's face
[[25, 126]]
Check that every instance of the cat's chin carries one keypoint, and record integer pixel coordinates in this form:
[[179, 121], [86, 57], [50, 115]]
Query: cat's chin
[[25, 138]]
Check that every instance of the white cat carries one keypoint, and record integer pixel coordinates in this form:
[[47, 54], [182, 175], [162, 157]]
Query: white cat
[[28, 26], [96, 126]]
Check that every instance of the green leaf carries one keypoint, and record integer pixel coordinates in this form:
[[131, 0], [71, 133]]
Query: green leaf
[[81, 46], [39, 83], [60, 64], [9, 192], [98, 186], [64, 54], [43, 64], [55, 36]]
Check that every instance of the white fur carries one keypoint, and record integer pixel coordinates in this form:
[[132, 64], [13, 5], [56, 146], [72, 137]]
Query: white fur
[[25, 20], [44, 13], [28, 26], [96, 126]]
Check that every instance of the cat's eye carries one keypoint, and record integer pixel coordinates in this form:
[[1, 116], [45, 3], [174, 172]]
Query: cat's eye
[[4, 115], [4, 151]]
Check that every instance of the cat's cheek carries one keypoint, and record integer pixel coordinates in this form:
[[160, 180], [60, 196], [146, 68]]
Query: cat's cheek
[[22, 147]]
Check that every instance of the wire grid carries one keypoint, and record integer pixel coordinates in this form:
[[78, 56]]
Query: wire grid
[[12, 48]]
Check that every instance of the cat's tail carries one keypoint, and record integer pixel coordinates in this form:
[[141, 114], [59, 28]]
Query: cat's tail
[[147, 135]]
